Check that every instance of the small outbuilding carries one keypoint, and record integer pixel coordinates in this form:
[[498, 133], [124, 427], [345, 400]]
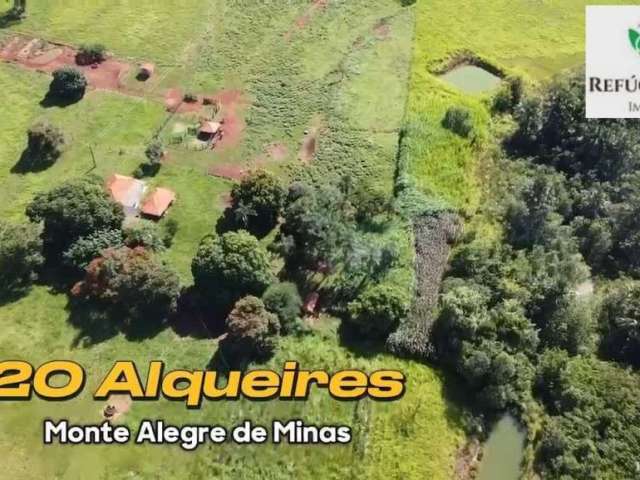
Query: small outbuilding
[[209, 130], [127, 191], [158, 202], [146, 71]]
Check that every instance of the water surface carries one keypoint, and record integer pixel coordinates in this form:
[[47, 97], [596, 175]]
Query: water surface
[[503, 451], [472, 79]]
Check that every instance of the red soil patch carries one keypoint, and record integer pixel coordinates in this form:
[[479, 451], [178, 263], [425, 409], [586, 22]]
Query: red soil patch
[[174, 102], [277, 151], [228, 171], [274, 153], [231, 104], [36, 54], [226, 199], [382, 31], [303, 20]]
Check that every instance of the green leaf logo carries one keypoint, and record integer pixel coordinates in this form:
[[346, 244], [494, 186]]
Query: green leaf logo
[[634, 38]]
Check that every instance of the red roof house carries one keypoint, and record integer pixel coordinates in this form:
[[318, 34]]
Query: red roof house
[[208, 130], [157, 204], [127, 191]]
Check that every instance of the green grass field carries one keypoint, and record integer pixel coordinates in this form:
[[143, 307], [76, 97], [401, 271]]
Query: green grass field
[[344, 68], [422, 422]]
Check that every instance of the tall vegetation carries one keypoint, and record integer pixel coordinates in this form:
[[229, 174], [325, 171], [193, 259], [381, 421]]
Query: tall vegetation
[[229, 267], [133, 283], [20, 257], [74, 209], [514, 324]]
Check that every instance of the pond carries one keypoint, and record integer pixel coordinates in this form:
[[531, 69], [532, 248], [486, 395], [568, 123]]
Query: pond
[[503, 452], [471, 79]]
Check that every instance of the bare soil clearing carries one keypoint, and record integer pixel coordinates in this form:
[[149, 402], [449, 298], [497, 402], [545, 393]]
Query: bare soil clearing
[[43, 56], [309, 145], [116, 407], [229, 171]]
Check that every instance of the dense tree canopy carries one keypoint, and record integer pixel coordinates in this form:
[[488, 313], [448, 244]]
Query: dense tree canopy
[[68, 84], [284, 300], [257, 201], [20, 256], [318, 226], [77, 208], [131, 281], [593, 430], [598, 161], [252, 331], [80, 254], [620, 322], [231, 266]]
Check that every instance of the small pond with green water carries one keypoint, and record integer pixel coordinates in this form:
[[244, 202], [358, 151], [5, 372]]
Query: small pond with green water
[[471, 79], [503, 451]]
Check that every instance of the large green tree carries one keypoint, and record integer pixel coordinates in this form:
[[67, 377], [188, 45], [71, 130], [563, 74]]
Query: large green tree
[[378, 310], [231, 266], [318, 227], [20, 256], [257, 201], [252, 332], [76, 208], [133, 282]]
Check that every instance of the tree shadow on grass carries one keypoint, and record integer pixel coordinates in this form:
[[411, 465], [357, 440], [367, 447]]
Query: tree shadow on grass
[[51, 101], [353, 340], [94, 324], [14, 295], [196, 319], [10, 18], [28, 163], [98, 323]]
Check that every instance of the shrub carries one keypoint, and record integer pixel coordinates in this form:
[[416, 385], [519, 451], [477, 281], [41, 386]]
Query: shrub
[[171, 227], [459, 121], [20, 256], [284, 300], [76, 208], [18, 11], [379, 309], [143, 233], [154, 154], [252, 330], [155, 151], [91, 53], [509, 95], [80, 254], [68, 84], [190, 97], [45, 143]]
